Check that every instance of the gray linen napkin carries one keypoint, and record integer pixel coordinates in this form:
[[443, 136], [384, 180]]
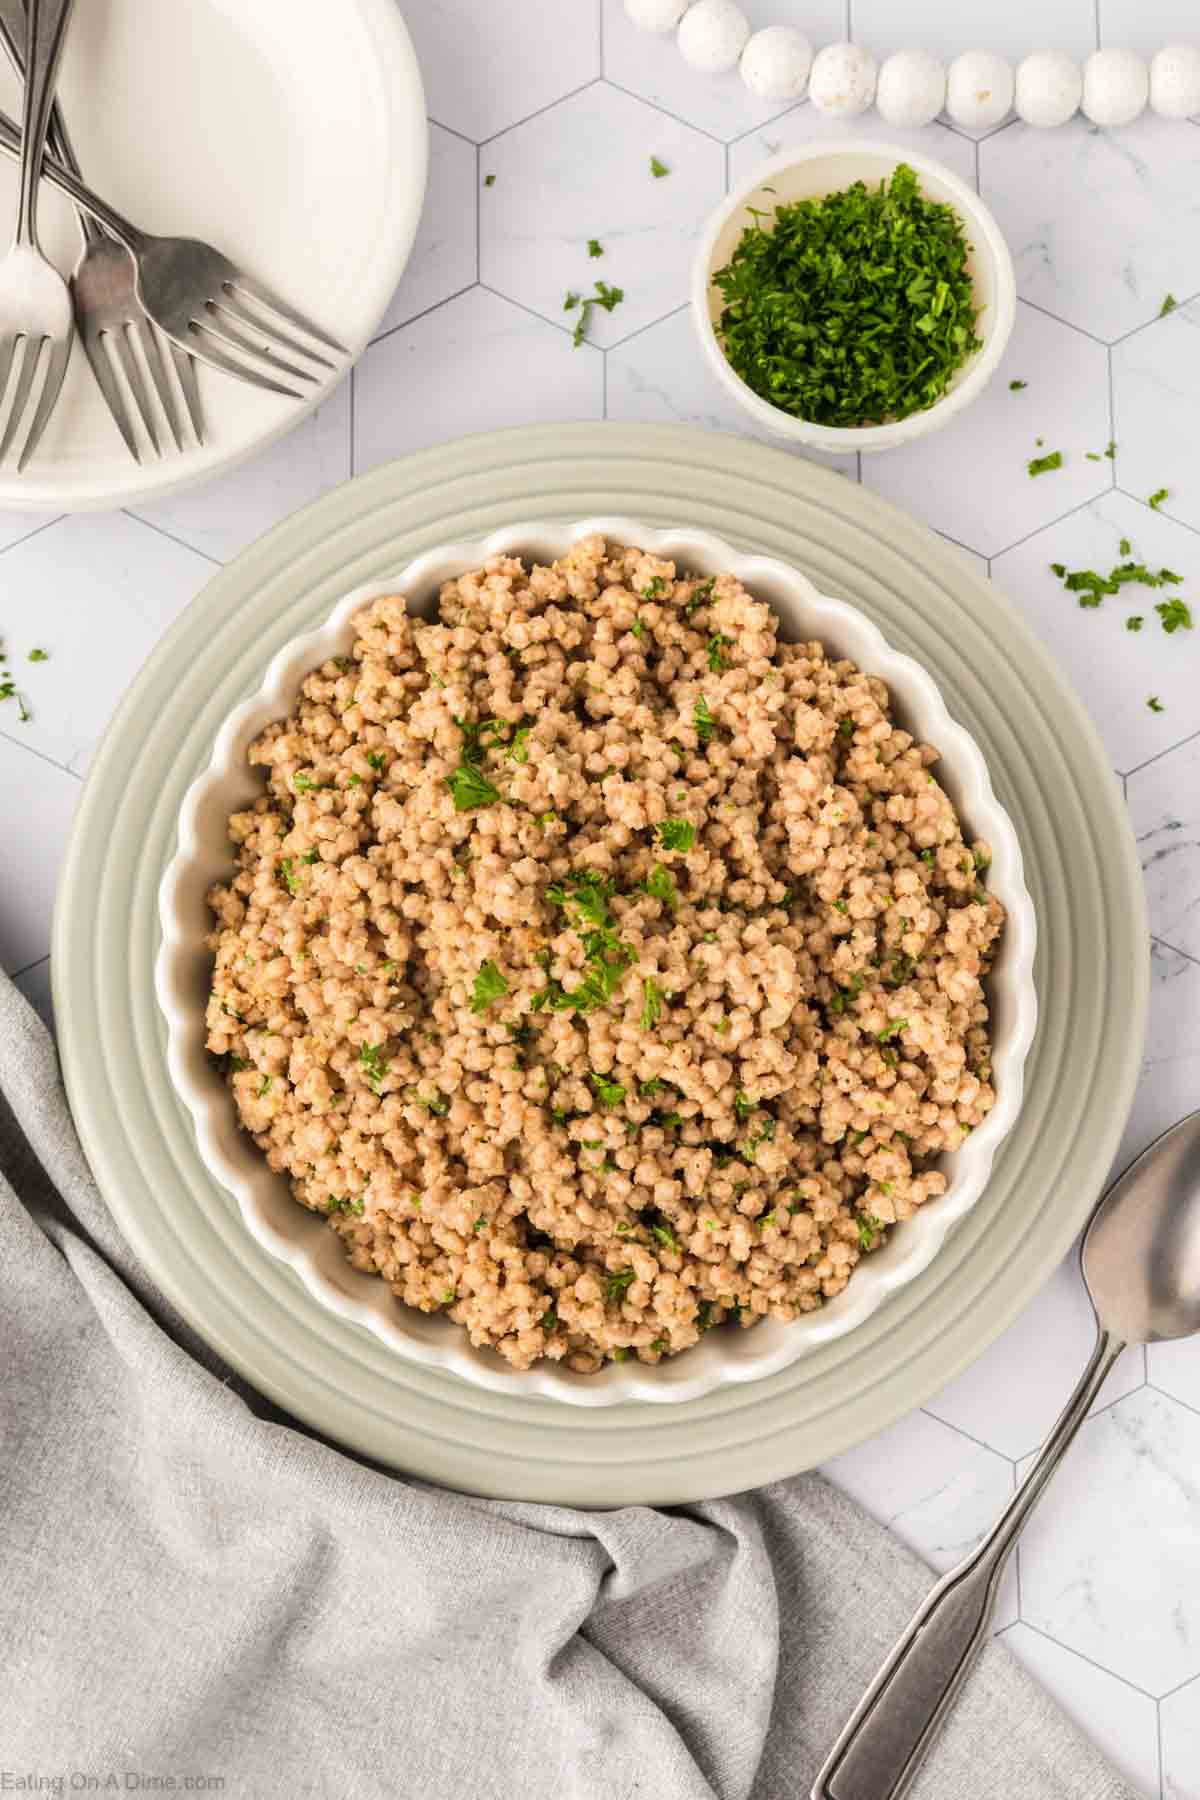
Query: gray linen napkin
[[193, 1586]]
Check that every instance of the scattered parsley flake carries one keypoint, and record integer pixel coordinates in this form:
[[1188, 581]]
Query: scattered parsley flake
[[1041, 465], [608, 297], [658, 169], [676, 834], [1155, 704], [638, 629], [489, 181], [869, 1230], [1014, 387], [377, 760], [660, 885], [1124, 547], [1157, 497], [571, 301], [651, 1003], [489, 986], [518, 750], [1174, 614], [595, 247], [36, 655], [291, 879], [548, 1320], [1134, 622], [891, 1030], [665, 1236], [264, 1086], [1168, 306], [703, 720], [716, 645], [1110, 449]]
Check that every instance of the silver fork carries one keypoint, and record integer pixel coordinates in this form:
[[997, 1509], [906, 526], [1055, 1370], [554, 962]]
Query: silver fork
[[198, 298], [108, 314], [35, 307]]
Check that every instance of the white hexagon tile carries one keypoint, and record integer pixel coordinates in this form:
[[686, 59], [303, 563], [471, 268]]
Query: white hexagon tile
[[544, 117]]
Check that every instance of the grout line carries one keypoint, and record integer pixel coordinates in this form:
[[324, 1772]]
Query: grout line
[[1159, 754], [423, 314], [1158, 1747], [1178, 1688], [41, 756], [1175, 951], [35, 532], [559, 100], [971, 1439], [478, 211], [794, 106], [1089, 1660], [600, 34], [1069, 324], [1060, 520], [16, 974], [1096, 21], [656, 106], [1146, 324], [171, 536], [1139, 500], [353, 396], [460, 135]]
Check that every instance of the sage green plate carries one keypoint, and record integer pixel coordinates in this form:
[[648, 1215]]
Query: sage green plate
[[1048, 768]]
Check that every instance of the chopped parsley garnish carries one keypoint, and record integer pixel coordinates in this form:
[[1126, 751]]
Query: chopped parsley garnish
[[548, 1320], [595, 247], [662, 1231], [716, 645], [571, 301], [702, 594], [660, 885], [439, 1106], [651, 1004], [1110, 449], [608, 297], [1041, 465], [373, 1065], [844, 996], [588, 894], [1155, 704], [891, 1030], [39, 655], [1174, 613], [1168, 306], [471, 788], [648, 1088], [676, 834], [851, 308], [703, 720], [291, 879], [869, 1230], [1124, 547], [656, 586], [490, 985], [1157, 497], [489, 181], [743, 1106], [264, 1086], [518, 750], [609, 1093], [638, 629], [1014, 387], [658, 169], [377, 760], [1134, 622], [620, 1282], [845, 728]]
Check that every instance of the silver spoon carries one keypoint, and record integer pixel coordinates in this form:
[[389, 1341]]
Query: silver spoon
[[1141, 1265]]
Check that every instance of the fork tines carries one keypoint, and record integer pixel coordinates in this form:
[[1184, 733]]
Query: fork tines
[[246, 341], [20, 357]]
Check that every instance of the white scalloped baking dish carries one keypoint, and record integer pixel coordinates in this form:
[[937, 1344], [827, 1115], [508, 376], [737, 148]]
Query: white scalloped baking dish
[[303, 1241]]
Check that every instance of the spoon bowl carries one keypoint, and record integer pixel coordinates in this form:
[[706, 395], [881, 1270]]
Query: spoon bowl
[[1141, 1253]]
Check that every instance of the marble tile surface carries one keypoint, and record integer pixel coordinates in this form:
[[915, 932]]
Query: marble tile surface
[[562, 103]]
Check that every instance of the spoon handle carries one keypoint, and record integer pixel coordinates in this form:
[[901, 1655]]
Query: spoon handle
[[887, 1738]]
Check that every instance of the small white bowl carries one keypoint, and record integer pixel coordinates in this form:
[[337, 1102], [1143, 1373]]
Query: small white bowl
[[303, 1240], [825, 169]]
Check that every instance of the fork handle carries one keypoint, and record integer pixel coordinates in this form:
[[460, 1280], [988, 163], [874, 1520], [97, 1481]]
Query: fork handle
[[12, 35], [59, 177], [46, 30]]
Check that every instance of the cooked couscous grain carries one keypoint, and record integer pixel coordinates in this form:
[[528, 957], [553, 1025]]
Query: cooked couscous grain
[[603, 967]]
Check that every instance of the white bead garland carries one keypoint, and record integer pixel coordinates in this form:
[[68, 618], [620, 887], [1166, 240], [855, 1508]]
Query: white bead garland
[[656, 15], [1116, 87], [1049, 89], [912, 88], [979, 89], [842, 82], [776, 62], [712, 34], [1175, 81]]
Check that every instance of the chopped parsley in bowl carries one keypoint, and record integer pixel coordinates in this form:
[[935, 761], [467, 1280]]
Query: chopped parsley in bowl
[[852, 296]]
